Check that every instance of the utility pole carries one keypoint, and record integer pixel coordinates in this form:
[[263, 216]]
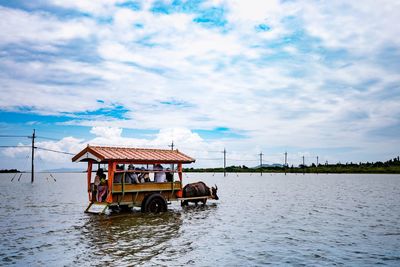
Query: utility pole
[[33, 157], [261, 164], [285, 161], [172, 165], [317, 164], [303, 166], [224, 162]]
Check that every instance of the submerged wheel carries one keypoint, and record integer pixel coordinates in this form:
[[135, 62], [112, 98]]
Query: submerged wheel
[[154, 203]]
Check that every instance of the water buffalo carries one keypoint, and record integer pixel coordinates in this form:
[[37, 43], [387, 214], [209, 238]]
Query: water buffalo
[[199, 189]]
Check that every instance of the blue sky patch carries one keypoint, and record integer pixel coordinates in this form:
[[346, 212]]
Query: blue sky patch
[[133, 5], [176, 6], [262, 27], [176, 103], [213, 17], [220, 133], [391, 132], [25, 116], [389, 92], [139, 25], [208, 17], [389, 58], [115, 111], [42, 6]]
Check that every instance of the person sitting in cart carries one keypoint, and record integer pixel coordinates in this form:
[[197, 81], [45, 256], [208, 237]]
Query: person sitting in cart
[[96, 183], [102, 190], [100, 184], [118, 175], [144, 177], [169, 175], [159, 174], [131, 177]]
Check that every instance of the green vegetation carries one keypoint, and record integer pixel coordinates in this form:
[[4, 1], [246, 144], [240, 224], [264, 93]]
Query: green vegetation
[[9, 171], [390, 166]]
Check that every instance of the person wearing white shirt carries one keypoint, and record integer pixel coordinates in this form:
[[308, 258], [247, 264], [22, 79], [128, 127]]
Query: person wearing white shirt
[[159, 175]]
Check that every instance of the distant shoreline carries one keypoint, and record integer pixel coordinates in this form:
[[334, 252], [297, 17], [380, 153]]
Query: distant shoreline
[[18, 171], [299, 172], [249, 172], [10, 171], [391, 166]]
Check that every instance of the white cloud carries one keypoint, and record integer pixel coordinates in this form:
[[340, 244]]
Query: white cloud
[[218, 78], [106, 132], [184, 140], [40, 30], [98, 8], [360, 27], [21, 149]]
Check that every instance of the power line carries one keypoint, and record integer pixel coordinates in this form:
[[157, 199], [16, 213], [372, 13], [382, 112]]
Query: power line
[[27, 136], [48, 138], [13, 146], [40, 148], [56, 151], [6, 136], [198, 150], [208, 158], [244, 159]]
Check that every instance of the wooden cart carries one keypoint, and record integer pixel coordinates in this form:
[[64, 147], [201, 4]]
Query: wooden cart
[[149, 196]]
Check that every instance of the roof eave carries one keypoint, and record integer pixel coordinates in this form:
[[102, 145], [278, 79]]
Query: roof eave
[[95, 156]]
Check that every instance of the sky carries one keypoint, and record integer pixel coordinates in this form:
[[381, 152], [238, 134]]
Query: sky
[[313, 78]]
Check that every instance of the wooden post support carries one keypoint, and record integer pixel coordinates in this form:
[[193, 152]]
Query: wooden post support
[[172, 165], [180, 173], [89, 180], [111, 168]]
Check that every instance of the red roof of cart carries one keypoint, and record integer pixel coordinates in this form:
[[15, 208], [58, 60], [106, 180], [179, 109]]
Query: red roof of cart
[[131, 155]]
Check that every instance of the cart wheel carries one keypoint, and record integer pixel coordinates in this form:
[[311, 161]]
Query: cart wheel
[[154, 203], [125, 208]]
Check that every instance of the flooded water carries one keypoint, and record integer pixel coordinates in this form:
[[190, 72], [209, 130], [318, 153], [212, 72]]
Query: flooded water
[[311, 220]]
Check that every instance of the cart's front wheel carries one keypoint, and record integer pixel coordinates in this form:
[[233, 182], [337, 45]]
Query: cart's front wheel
[[154, 203]]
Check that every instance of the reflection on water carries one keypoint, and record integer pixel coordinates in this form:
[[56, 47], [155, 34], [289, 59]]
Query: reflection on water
[[128, 238], [274, 219], [134, 238]]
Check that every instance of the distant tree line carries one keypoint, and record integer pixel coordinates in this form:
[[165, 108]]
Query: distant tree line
[[9, 171], [390, 166]]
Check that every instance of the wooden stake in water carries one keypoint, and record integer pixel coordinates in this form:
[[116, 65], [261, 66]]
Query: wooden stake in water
[[33, 157], [224, 162], [285, 161]]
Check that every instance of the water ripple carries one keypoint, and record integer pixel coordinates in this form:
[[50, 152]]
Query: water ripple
[[297, 220]]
